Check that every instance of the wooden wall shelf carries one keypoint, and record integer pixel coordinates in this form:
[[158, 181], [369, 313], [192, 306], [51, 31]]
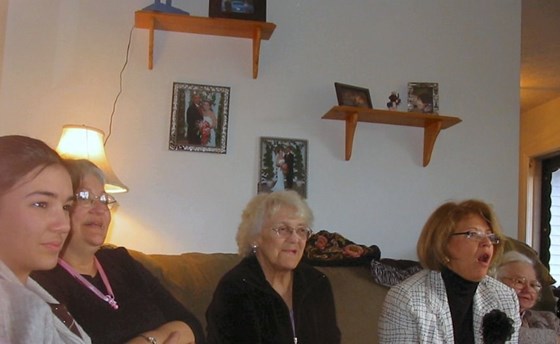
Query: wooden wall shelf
[[254, 30], [432, 124]]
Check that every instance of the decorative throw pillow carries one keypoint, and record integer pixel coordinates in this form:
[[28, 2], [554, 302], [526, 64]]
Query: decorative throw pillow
[[389, 272], [332, 249]]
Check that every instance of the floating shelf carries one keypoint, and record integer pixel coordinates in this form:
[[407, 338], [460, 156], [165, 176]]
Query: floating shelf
[[432, 124], [254, 30]]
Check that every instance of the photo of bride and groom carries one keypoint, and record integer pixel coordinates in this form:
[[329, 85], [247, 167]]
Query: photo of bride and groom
[[199, 118], [284, 168], [283, 165], [201, 121]]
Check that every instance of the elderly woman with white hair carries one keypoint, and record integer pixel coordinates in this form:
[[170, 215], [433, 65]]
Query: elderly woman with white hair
[[518, 271], [270, 296]]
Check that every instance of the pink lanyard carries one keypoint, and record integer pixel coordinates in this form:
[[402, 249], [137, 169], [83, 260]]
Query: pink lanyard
[[110, 298]]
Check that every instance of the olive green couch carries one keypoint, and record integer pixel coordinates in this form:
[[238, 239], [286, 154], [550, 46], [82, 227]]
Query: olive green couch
[[192, 278]]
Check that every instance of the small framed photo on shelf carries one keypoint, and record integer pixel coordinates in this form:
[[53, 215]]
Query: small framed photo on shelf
[[199, 118], [423, 97], [283, 165], [238, 9], [352, 95]]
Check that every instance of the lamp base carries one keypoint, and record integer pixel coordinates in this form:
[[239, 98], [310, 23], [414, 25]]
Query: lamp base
[[167, 8]]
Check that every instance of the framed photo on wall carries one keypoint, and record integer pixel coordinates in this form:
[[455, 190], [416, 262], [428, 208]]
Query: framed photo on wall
[[199, 118], [238, 9], [283, 165], [423, 97], [352, 95]]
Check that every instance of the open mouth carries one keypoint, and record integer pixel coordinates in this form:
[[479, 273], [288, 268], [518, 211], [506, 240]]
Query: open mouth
[[484, 258]]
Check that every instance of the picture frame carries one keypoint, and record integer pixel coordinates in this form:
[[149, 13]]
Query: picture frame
[[199, 118], [238, 9], [353, 95], [423, 97], [283, 165]]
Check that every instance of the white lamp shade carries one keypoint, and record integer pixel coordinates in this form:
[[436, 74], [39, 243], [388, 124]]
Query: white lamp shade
[[83, 142]]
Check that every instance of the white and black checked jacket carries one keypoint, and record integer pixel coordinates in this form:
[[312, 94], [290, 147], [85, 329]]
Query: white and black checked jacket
[[417, 311]]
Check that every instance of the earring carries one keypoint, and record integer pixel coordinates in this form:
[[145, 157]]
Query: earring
[[254, 248], [446, 260]]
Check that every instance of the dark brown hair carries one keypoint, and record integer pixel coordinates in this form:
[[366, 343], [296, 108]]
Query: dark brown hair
[[20, 155]]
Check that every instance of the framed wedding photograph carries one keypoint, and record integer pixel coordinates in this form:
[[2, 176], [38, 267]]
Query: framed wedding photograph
[[238, 9], [199, 118], [423, 97], [283, 165], [352, 95]]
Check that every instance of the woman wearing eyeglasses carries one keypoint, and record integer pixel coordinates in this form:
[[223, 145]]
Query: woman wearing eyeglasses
[[518, 271], [446, 302], [270, 297], [112, 296]]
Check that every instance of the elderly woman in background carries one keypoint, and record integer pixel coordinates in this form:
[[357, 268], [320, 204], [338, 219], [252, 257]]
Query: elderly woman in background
[[518, 271], [270, 297], [111, 295], [35, 201], [446, 302]]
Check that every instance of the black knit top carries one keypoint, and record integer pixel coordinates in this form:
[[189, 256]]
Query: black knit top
[[460, 294]]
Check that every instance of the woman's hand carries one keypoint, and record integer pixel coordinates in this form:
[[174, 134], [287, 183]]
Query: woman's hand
[[173, 332], [173, 338]]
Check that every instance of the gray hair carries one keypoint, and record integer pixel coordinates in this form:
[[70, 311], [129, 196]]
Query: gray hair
[[509, 258], [79, 168], [262, 207]]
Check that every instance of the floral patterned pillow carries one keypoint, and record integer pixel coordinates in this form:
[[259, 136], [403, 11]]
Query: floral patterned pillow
[[332, 249]]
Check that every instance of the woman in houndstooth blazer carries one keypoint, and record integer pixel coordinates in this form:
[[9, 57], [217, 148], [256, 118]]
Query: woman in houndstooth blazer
[[446, 302]]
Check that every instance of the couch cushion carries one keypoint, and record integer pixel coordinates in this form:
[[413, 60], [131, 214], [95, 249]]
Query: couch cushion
[[190, 277], [358, 301]]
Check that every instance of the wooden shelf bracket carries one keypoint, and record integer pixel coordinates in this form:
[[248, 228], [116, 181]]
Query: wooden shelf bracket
[[431, 132], [351, 124], [151, 28], [257, 34]]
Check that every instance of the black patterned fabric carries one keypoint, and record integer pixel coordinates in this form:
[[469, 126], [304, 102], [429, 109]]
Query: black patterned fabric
[[389, 272]]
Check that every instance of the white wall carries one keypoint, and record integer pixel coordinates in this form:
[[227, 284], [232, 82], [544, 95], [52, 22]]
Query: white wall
[[62, 58]]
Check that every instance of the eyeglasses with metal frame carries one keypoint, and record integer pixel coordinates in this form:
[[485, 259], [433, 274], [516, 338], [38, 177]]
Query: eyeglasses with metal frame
[[520, 282], [87, 198], [478, 235], [285, 231]]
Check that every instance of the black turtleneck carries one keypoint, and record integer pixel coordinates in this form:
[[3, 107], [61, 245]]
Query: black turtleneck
[[460, 294]]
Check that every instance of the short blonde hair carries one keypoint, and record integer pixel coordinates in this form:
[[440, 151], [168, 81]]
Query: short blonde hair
[[432, 243], [262, 207]]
